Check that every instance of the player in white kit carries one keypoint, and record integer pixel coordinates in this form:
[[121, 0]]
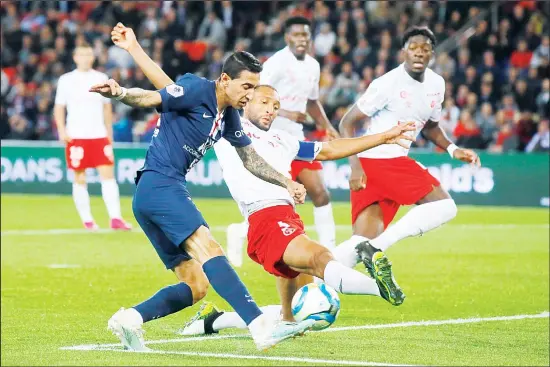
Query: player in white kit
[[295, 75], [384, 178], [276, 236], [88, 135]]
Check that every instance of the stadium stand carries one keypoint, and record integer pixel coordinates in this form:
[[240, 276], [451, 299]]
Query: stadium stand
[[497, 72]]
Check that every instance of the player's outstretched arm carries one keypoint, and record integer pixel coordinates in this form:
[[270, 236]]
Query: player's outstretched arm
[[135, 97], [261, 169], [125, 38], [433, 132], [345, 147], [357, 178]]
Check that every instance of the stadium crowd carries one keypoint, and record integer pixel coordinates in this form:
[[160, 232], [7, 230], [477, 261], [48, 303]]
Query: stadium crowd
[[497, 90]]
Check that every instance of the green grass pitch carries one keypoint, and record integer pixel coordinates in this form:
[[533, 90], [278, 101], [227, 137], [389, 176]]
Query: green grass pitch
[[60, 288]]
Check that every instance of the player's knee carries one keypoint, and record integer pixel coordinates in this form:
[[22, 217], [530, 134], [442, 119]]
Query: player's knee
[[199, 288], [202, 246], [319, 196], [80, 178], [318, 261], [452, 209], [106, 172]]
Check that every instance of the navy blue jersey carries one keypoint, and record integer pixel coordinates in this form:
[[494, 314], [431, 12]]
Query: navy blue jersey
[[189, 125]]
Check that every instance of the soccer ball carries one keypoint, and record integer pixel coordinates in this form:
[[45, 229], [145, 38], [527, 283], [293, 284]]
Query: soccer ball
[[317, 302]]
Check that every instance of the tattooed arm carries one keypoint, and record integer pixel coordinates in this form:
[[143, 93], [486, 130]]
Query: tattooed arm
[[256, 165], [134, 97]]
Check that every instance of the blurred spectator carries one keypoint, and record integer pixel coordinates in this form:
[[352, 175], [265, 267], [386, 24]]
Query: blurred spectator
[[445, 66], [543, 50], [491, 75], [467, 133], [212, 30], [257, 45], [521, 57], [449, 116], [541, 140], [543, 99], [487, 123], [44, 125], [343, 92], [509, 107], [20, 127], [506, 140], [524, 97], [525, 129], [324, 41]]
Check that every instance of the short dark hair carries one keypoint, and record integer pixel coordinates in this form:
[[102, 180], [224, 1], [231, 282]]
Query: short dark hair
[[298, 20], [266, 86], [240, 61], [416, 31]]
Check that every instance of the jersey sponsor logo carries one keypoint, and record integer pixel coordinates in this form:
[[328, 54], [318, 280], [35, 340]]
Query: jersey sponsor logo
[[213, 137], [432, 105], [403, 94], [192, 151], [286, 228], [76, 154], [108, 152], [239, 133], [204, 115], [175, 90]]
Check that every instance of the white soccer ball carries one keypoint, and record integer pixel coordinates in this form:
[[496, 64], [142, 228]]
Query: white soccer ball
[[317, 302]]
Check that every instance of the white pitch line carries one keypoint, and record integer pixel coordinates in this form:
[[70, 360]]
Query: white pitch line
[[339, 227], [63, 266], [116, 347], [330, 362]]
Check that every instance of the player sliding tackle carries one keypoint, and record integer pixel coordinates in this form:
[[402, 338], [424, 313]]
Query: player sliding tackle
[[195, 114], [276, 237]]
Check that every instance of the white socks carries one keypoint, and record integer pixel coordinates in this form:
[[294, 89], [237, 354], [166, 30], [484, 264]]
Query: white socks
[[232, 319], [324, 224], [82, 201], [345, 252], [349, 281], [111, 197], [418, 220], [236, 236]]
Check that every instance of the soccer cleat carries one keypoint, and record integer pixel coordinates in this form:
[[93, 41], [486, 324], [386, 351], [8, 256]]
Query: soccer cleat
[[128, 330], [91, 226], [202, 322], [282, 330], [379, 268], [118, 224]]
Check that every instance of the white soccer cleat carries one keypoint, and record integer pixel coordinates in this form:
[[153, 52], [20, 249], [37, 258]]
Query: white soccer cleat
[[236, 235], [280, 331], [124, 325], [193, 329]]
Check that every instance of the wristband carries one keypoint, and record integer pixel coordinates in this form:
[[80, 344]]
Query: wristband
[[123, 94], [451, 149]]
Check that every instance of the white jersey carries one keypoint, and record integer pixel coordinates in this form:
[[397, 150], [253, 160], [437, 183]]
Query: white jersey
[[396, 97], [296, 81], [279, 149], [84, 109]]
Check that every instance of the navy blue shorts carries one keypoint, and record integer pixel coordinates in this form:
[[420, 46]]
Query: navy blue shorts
[[164, 210]]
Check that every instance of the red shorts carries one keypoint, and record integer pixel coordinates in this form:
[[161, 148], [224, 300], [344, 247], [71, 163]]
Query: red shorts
[[391, 183], [89, 153], [270, 230], [297, 166]]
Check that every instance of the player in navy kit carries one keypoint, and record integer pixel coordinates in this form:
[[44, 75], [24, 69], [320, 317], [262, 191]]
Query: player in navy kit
[[195, 113]]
